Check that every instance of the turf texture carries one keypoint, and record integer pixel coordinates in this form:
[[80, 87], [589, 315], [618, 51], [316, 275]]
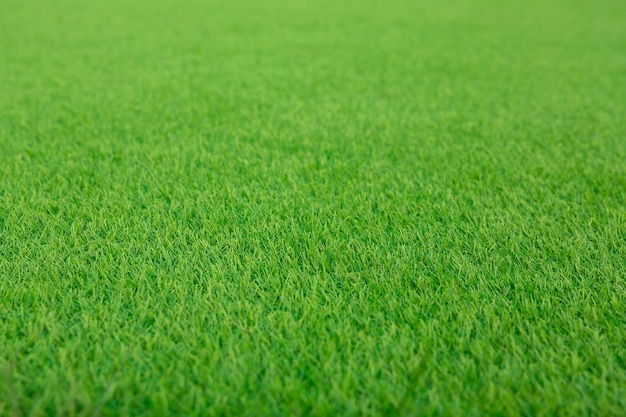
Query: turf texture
[[298, 207]]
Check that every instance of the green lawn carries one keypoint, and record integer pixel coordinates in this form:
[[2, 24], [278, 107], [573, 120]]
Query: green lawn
[[299, 207]]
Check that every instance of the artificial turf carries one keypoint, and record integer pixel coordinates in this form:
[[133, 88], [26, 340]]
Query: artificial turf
[[290, 207]]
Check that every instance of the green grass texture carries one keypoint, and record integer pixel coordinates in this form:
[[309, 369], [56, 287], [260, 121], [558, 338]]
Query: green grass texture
[[312, 208]]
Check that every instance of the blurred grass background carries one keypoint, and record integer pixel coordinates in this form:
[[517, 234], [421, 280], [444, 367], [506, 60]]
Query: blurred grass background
[[312, 208]]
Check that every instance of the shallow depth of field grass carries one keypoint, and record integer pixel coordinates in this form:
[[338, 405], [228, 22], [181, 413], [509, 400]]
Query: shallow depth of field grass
[[294, 207]]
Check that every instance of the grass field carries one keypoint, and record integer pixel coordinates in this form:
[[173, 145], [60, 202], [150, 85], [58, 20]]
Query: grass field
[[298, 207]]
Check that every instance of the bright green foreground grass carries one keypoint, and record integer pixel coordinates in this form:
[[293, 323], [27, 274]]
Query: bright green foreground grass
[[304, 207]]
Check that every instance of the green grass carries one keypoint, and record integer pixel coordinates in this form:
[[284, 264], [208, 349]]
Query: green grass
[[312, 207]]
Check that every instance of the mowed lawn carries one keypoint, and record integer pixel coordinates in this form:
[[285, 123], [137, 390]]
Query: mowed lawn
[[298, 207]]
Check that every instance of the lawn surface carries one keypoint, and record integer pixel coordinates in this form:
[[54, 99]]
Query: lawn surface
[[308, 207]]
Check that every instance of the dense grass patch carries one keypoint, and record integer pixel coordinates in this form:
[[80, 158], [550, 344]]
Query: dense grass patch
[[312, 207]]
